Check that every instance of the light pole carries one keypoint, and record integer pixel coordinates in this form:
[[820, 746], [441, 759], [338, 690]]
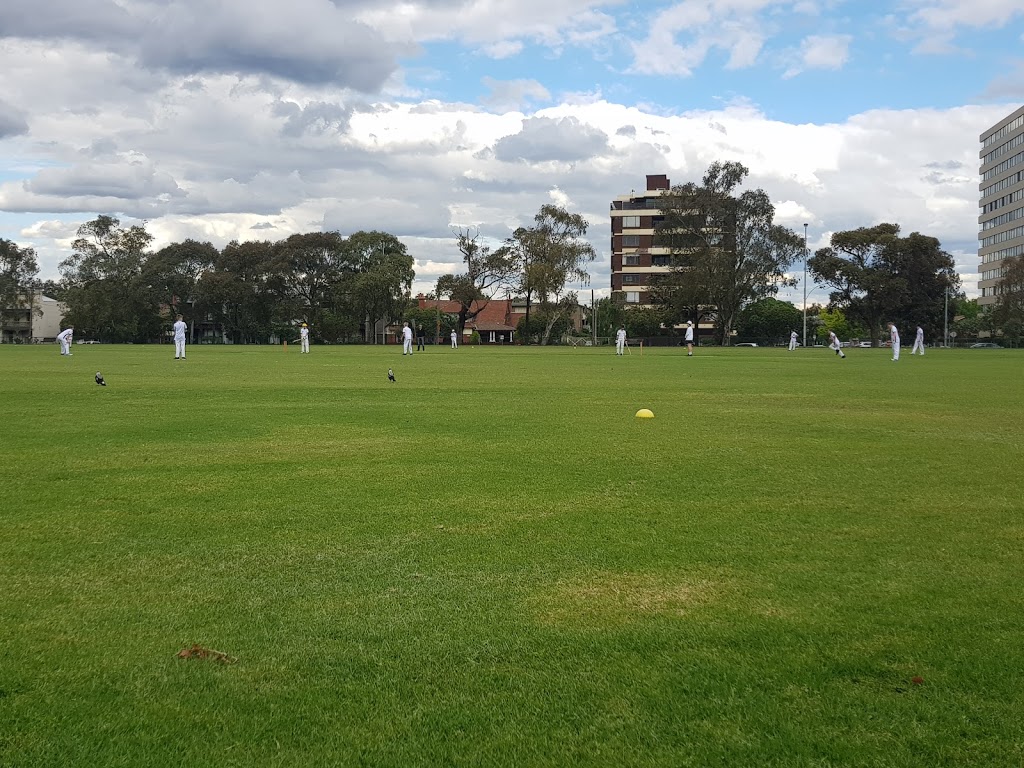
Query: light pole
[[805, 285], [945, 320]]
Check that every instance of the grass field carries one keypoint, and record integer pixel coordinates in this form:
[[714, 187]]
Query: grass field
[[492, 562]]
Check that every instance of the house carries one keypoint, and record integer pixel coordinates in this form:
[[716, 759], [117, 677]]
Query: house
[[495, 320], [22, 325]]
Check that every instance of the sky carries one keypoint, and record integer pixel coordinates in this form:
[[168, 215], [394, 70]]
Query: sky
[[230, 120]]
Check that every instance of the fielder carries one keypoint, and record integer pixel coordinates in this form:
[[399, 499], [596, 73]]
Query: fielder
[[64, 337], [894, 336], [620, 341], [304, 339], [689, 338], [455, 340], [918, 342], [406, 339], [792, 341], [179, 338], [833, 343]]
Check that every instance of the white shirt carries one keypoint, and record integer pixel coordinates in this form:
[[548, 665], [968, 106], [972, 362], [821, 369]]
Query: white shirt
[[894, 335], [689, 333], [833, 340], [920, 333], [792, 336], [303, 333], [66, 334], [407, 333], [453, 335], [621, 335], [179, 330]]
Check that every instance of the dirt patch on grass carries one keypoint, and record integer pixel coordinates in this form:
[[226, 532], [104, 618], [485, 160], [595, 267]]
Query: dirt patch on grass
[[606, 597]]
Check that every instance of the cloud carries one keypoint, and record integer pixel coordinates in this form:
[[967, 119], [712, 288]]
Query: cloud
[[507, 95], [1008, 86], [308, 41], [681, 37], [821, 52], [936, 23], [503, 49], [12, 121], [544, 139]]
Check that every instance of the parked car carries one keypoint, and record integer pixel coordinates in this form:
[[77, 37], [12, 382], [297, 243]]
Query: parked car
[[985, 345], [746, 344], [88, 341], [865, 345]]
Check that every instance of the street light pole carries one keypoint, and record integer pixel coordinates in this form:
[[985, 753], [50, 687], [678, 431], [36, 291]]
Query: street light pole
[[945, 320], [805, 285]]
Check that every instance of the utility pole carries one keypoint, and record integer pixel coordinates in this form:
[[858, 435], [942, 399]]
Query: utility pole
[[805, 285], [945, 320], [593, 319]]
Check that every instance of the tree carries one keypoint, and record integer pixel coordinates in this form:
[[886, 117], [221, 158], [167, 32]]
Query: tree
[[486, 273], [304, 275], [610, 315], [105, 292], [878, 276], [173, 272], [769, 318], [379, 289], [547, 256], [1008, 312], [18, 284], [236, 293], [726, 249]]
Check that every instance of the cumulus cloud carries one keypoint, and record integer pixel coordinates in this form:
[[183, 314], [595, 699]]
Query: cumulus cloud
[[545, 139], [508, 95], [309, 41], [12, 121], [682, 36], [821, 52]]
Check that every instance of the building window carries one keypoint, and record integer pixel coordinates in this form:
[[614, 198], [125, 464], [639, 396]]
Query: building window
[[631, 260], [632, 297], [631, 241], [653, 202], [631, 279], [661, 261], [630, 222]]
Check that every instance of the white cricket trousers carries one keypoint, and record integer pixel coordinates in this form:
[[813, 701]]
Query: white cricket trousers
[[792, 344], [918, 345], [619, 344], [407, 347], [838, 349], [896, 350], [455, 344], [179, 348], [65, 347], [305, 346]]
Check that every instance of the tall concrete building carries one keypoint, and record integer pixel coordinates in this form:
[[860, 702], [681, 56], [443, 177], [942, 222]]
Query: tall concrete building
[[634, 257], [1001, 203]]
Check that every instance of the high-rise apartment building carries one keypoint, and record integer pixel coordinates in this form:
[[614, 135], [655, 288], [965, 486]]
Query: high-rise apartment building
[[1001, 202], [634, 257]]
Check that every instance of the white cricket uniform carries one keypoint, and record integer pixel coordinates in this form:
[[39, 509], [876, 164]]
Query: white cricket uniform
[[894, 336], [64, 337], [179, 339], [304, 338], [689, 338], [918, 341], [792, 341], [407, 340], [620, 341], [455, 340], [833, 343]]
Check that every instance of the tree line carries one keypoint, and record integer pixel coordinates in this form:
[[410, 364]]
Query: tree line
[[729, 258]]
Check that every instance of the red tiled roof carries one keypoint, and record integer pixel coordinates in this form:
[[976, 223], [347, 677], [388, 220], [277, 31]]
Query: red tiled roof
[[495, 315]]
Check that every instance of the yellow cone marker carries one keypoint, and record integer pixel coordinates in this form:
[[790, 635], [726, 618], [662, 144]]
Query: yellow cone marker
[[644, 413]]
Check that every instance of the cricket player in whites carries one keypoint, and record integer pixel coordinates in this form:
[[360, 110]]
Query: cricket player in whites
[[406, 339], [918, 342], [179, 338], [304, 338], [64, 337], [833, 343], [792, 341], [689, 338], [620, 340], [894, 336], [455, 340]]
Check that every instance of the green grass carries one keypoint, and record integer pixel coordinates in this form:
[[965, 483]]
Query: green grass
[[492, 562]]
